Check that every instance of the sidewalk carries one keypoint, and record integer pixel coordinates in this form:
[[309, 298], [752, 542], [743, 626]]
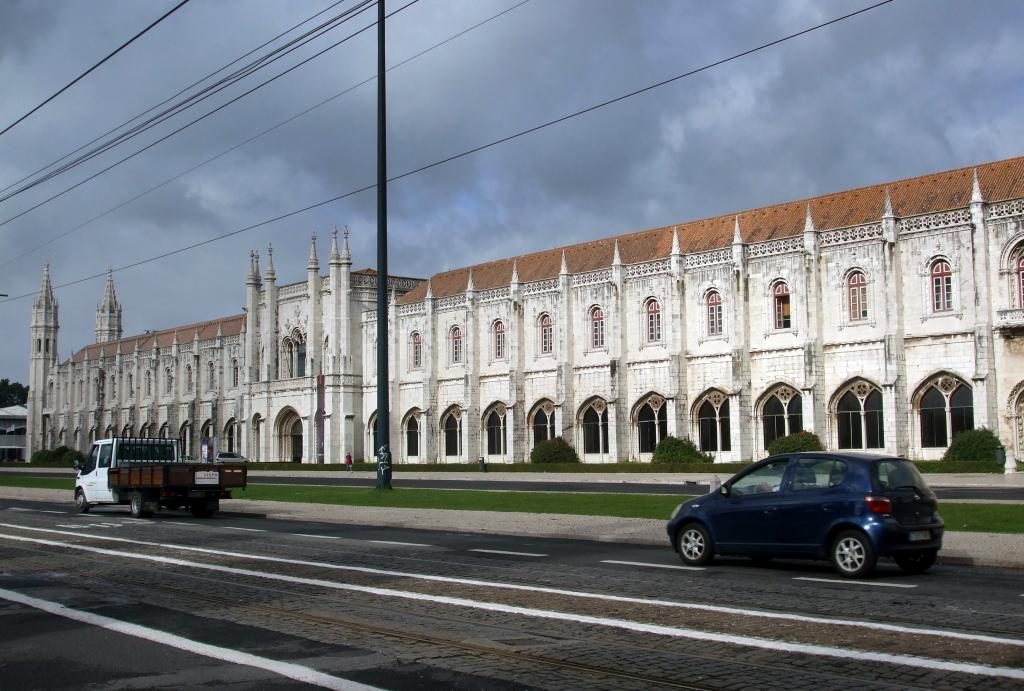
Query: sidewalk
[[976, 549]]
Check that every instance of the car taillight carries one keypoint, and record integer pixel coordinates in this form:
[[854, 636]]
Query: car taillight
[[878, 504]]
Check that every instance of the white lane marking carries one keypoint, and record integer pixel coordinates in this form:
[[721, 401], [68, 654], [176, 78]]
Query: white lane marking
[[301, 673], [846, 581], [653, 566], [323, 537], [18, 508], [514, 554], [701, 607], [400, 544], [57, 512], [251, 530], [623, 624], [190, 525]]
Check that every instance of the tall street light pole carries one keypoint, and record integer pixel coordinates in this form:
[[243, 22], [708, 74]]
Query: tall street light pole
[[383, 406]]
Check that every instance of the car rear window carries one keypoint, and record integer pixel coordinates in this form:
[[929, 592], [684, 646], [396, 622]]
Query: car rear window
[[893, 474]]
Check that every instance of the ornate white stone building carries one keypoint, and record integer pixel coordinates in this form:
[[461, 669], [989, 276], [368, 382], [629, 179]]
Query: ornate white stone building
[[886, 318]]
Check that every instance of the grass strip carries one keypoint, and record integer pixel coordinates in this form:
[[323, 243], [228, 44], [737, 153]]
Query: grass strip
[[959, 517]]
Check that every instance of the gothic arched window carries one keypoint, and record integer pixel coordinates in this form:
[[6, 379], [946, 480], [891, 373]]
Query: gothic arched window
[[652, 310], [714, 307], [713, 428], [1020, 280], [149, 383], [782, 414], [945, 409], [451, 427], [596, 327], [543, 422], [495, 424], [859, 422], [168, 380], [188, 378], [783, 316], [594, 422], [942, 286], [651, 423], [546, 334], [234, 373], [417, 350], [857, 294], [498, 334], [412, 437], [210, 378], [456, 344]]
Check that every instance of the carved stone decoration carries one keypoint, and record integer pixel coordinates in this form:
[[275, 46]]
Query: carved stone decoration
[[717, 398], [861, 390], [457, 414], [946, 384], [656, 401], [784, 394], [599, 406], [548, 408], [500, 409]]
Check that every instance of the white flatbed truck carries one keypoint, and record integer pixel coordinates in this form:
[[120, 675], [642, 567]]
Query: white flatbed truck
[[149, 474]]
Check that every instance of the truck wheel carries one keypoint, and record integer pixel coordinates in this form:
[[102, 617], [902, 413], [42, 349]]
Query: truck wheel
[[81, 505], [139, 506], [200, 509]]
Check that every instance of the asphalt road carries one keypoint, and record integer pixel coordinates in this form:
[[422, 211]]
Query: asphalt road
[[243, 601], [682, 488]]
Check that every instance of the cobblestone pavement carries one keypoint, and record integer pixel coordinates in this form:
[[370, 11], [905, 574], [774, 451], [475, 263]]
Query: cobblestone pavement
[[442, 615]]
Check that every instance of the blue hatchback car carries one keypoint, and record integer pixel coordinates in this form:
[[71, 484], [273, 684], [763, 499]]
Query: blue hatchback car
[[849, 508]]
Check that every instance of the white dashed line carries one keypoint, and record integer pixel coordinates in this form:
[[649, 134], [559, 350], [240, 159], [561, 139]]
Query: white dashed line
[[322, 537], [290, 670], [514, 554], [400, 544], [56, 512], [653, 566], [853, 582], [251, 530], [18, 508], [190, 525]]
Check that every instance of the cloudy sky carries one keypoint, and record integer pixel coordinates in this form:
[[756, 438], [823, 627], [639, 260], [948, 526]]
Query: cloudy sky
[[912, 87]]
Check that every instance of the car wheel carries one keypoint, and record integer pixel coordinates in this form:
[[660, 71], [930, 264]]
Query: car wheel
[[853, 555], [81, 505], [916, 562], [694, 545], [138, 506]]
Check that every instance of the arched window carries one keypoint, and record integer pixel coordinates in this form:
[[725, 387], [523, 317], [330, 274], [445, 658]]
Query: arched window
[[131, 385], [543, 422], [229, 435], [1020, 281], [168, 380], [188, 378], [234, 373], [300, 359], [451, 427], [372, 434], [149, 383], [594, 422], [945, 409], [412, 437], [714, 305], [859, 418], [857, 293], [651, 423], [495, 423], [417, 350], [713, 428], [652, 308], [456, 347], [498, 331], [113, 387], [783, 317], [596, 327], [942, 286], [782, 414], [210, 377], [546, 334]]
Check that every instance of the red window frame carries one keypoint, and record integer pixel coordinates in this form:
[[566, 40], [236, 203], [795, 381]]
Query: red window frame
[[597, 327], [783, 312], [653, 321], [714, 303], [857, 285], [942, 286]]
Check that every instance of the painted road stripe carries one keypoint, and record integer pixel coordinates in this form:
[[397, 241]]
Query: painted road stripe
[[514, 554], [18, 508], [307, 675], [700, 607], [678, 567], [846, 581], [251, 530], [323, 537], [190, 525], [57, 512], [400, 544], [608, 622]]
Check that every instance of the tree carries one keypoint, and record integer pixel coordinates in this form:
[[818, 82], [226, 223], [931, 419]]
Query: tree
[[12, 393]]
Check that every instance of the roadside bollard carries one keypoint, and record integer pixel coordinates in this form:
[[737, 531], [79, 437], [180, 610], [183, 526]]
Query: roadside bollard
[[483, 465], [715, 483]]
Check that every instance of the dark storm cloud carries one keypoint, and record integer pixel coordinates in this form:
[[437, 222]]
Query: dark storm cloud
[[906, 89]]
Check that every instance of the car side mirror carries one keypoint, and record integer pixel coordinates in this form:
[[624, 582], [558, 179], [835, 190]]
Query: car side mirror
[[724, 489], [77, 464]]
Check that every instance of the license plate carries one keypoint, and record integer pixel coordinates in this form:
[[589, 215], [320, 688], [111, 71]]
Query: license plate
[[920, 535], [211, 477]]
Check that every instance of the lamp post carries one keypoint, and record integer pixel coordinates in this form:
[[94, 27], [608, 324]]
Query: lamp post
[[383, 407]]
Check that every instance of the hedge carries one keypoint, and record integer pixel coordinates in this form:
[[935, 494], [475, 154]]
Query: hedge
[[555, 450], [673, 450]]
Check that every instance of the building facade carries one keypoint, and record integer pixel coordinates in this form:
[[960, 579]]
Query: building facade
[[887, 318]]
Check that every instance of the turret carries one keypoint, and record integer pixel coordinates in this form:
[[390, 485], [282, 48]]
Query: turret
[[43, 329], [268, 335], [314, 337], [252, 301], [108, 314]]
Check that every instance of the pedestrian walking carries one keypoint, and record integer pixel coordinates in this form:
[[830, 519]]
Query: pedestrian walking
[[348, 461]]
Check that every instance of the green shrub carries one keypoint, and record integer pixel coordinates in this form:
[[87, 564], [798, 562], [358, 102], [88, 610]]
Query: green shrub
[[555, 450], [973, 445], [62, 456], [674, 450], [798, 441]]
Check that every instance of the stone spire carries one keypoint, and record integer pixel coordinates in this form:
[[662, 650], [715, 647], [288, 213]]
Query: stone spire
[[108, 313], [346, 256], [271, 275], [335, 256], [256, 262], [616, 257], [470, 286], [430, 291], [888, 206], [314, 263], [808, 221], [254, 273], [515, 272], [737, 238], [45, 299], [564, 269], [675, 240], [976, 197]]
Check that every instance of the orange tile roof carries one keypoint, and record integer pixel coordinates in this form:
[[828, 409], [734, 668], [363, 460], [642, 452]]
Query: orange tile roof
[[999, 181], [229, 326]]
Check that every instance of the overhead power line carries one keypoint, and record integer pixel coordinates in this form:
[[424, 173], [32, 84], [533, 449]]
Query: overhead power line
[[199, 119], [198, 97], [84, 74], [170, 98], [468, 152], [253, 138]]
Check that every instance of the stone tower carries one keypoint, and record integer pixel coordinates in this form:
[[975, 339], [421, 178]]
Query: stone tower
[[108, 314], [45, 325]]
